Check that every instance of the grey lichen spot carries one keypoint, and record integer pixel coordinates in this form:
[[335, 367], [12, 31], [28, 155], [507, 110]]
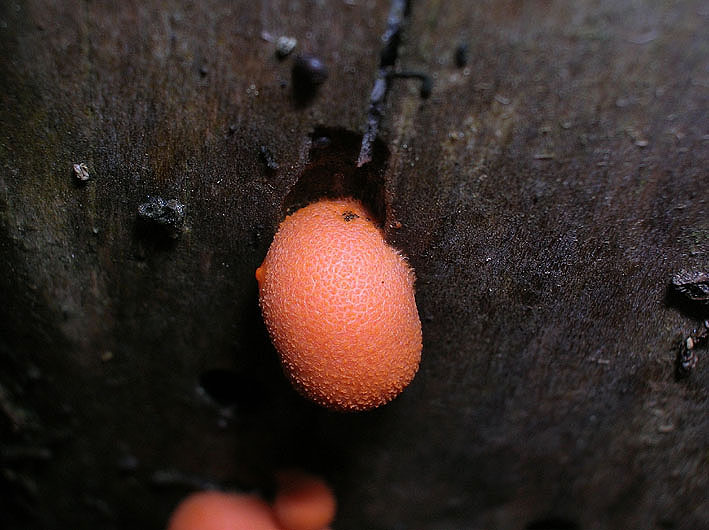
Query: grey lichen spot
[[284, 46], [168, 216], [81, 172]]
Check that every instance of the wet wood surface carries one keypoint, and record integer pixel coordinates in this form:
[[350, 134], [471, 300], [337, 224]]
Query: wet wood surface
[[545, 193]]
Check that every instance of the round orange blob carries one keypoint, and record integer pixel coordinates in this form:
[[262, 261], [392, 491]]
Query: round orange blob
[[303, 502], [213, 510], [339, 305]]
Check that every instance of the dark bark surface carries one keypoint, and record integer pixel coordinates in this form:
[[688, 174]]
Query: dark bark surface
[[545, 193]]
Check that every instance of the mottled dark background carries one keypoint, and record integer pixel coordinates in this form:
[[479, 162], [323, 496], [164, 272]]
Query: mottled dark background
[[545, 193]]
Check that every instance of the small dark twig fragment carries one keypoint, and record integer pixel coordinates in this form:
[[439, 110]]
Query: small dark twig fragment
[[168, 216], [374, 117], [392, 33], [387, 58]]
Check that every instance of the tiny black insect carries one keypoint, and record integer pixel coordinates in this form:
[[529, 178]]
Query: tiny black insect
[[461, 55]]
